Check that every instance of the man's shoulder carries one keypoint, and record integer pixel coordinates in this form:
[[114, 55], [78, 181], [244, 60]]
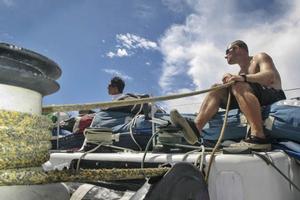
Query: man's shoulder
[[261, 56]]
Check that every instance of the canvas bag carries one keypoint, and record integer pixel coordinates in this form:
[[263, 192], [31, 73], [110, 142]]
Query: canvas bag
[[282, 120]]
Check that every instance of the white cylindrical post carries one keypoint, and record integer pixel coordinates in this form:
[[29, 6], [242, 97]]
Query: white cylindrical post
[[20, 99]]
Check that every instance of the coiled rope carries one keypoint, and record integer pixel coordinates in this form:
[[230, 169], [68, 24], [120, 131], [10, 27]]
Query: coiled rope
[[24, 145]]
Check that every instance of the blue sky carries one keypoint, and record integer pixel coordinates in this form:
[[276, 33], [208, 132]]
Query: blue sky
[[159, 47]]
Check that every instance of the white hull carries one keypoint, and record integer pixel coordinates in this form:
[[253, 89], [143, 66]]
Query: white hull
[[232, 177]]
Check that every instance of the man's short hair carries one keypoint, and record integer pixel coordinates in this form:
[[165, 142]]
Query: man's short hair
[[240, 44], [117, 82]]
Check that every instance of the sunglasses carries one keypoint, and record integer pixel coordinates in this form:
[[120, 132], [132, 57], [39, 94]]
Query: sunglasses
[[230, 50]]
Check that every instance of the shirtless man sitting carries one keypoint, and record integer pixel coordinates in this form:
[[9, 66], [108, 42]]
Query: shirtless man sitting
[[257, 84]]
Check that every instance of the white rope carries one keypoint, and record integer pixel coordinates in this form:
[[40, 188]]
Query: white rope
[[84, 154], [132, 123], [202, 156]]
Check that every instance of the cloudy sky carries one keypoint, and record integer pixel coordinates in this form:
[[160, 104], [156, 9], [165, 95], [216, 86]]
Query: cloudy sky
[[159, 47]]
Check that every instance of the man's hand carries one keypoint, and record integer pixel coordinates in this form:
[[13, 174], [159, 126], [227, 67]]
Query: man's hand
[[236, 78], [229, 77], [226, 78]]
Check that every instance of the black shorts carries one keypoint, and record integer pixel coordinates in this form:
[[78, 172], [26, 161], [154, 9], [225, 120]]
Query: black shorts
[[265, 96]]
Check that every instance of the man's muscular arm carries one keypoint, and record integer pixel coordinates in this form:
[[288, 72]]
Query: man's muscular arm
[[266, 74]]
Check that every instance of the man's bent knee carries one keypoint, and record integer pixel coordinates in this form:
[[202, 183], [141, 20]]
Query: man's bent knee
[[240, 87], [221, 91], [218, 93]]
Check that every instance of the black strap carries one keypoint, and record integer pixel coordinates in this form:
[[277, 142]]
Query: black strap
[[245, 77]]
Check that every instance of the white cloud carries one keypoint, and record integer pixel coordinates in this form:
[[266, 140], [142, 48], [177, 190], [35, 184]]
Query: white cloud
[[196, 48], [184, 105], [128, 43], [122, 52], [110, 54], [119, 53], [115, 72], [131, 41]]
